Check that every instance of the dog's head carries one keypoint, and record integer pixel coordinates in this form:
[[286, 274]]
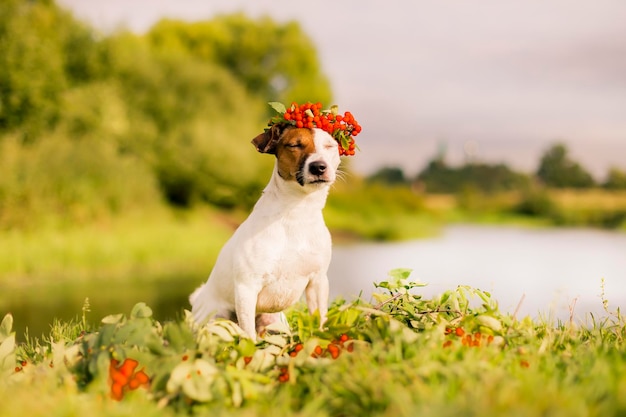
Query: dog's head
[[307, 156]]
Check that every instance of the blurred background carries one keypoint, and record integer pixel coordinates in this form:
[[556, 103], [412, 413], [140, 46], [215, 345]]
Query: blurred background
[[493, 150]]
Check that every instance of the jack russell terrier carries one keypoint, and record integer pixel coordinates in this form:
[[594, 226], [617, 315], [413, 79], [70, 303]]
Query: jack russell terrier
[[284, 247]]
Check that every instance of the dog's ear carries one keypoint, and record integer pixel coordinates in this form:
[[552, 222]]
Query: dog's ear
[[266, 141]]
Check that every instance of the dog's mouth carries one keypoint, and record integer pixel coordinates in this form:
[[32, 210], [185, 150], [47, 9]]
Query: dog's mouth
[[302, 180], [319, 181], [316, 172]]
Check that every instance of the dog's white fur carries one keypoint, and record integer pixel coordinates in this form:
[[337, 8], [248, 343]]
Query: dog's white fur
[[283, 248]]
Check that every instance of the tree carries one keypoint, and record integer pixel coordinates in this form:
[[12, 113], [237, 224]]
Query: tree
[[181, 102], [557, 170], [43, 52], [487, 178], [616, 180], [276, 62], [388, 176]]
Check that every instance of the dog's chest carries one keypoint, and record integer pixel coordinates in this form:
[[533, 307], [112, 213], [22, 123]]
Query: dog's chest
[[294, 253]]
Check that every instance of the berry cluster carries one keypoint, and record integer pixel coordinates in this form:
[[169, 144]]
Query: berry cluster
[[19, 369], [467, 339], [283, 375], [343, 128], [333, 350], [124, 377]]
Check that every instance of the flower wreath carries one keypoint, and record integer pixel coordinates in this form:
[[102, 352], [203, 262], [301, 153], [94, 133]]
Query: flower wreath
[[343, 128]]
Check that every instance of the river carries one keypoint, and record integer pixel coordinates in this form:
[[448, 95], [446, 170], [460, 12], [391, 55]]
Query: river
[[549, 270]]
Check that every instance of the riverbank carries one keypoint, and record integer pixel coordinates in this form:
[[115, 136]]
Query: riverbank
[[163, 241], [160, 255]]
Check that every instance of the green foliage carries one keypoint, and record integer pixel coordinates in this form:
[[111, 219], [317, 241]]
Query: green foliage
[[388, 176], [7, 346], [274, 61], [535, 201], [31, 66], [180, 103], [453, 354], [557, 170], [438, 177], [616, 180], [594, 208], [77, 181], [375, 211]]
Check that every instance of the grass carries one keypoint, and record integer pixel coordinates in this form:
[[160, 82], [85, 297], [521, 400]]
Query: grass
[[401, 356], [537, 207], [149, 244]]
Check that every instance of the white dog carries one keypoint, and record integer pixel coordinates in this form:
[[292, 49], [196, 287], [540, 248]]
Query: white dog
[[283, 248]]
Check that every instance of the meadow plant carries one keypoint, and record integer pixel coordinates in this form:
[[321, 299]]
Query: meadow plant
[[455, 354]]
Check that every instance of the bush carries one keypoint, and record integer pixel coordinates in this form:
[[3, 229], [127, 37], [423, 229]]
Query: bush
[[616, 180], [74, 181], [372, 210], [557, 170], [535, 202]]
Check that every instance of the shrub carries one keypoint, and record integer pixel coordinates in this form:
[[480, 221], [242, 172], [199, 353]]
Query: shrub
[[74, 181]]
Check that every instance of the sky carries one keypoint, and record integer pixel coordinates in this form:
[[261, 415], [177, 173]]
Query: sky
[[491, 80]]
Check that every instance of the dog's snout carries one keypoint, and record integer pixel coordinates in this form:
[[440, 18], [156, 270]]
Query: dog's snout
[[318, 167]]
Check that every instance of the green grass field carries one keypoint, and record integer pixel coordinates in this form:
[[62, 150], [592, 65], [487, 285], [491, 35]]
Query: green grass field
[[147, 244], [404, 356]]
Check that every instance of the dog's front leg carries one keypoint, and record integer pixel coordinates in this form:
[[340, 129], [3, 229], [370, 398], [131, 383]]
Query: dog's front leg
[[317, 297], [245, 306]]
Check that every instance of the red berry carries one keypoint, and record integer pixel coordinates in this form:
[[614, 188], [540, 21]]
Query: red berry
[[317, 352]]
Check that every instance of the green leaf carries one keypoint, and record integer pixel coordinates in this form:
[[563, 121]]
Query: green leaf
[[490, 322], [275, 340], [5, 327], [194, 380], [7, 354], [246, 347], [112, 319], [279, 107], [400, 273], [105, 335], [140, 310], [135, 333], [344, 141], [178, 336]]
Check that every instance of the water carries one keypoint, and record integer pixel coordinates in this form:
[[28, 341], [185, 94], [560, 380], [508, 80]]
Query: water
[[35, 308], [551, 267], [553, 270]]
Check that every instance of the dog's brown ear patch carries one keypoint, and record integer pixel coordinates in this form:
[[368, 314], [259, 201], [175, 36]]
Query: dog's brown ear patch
[[266, 141]]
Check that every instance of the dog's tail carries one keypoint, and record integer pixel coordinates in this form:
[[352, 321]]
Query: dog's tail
[[200, 309]]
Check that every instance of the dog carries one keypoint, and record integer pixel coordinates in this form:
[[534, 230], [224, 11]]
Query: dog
[[283, 248]]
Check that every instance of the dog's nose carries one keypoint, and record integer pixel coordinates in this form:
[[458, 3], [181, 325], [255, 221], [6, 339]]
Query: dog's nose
[[317, 167]]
